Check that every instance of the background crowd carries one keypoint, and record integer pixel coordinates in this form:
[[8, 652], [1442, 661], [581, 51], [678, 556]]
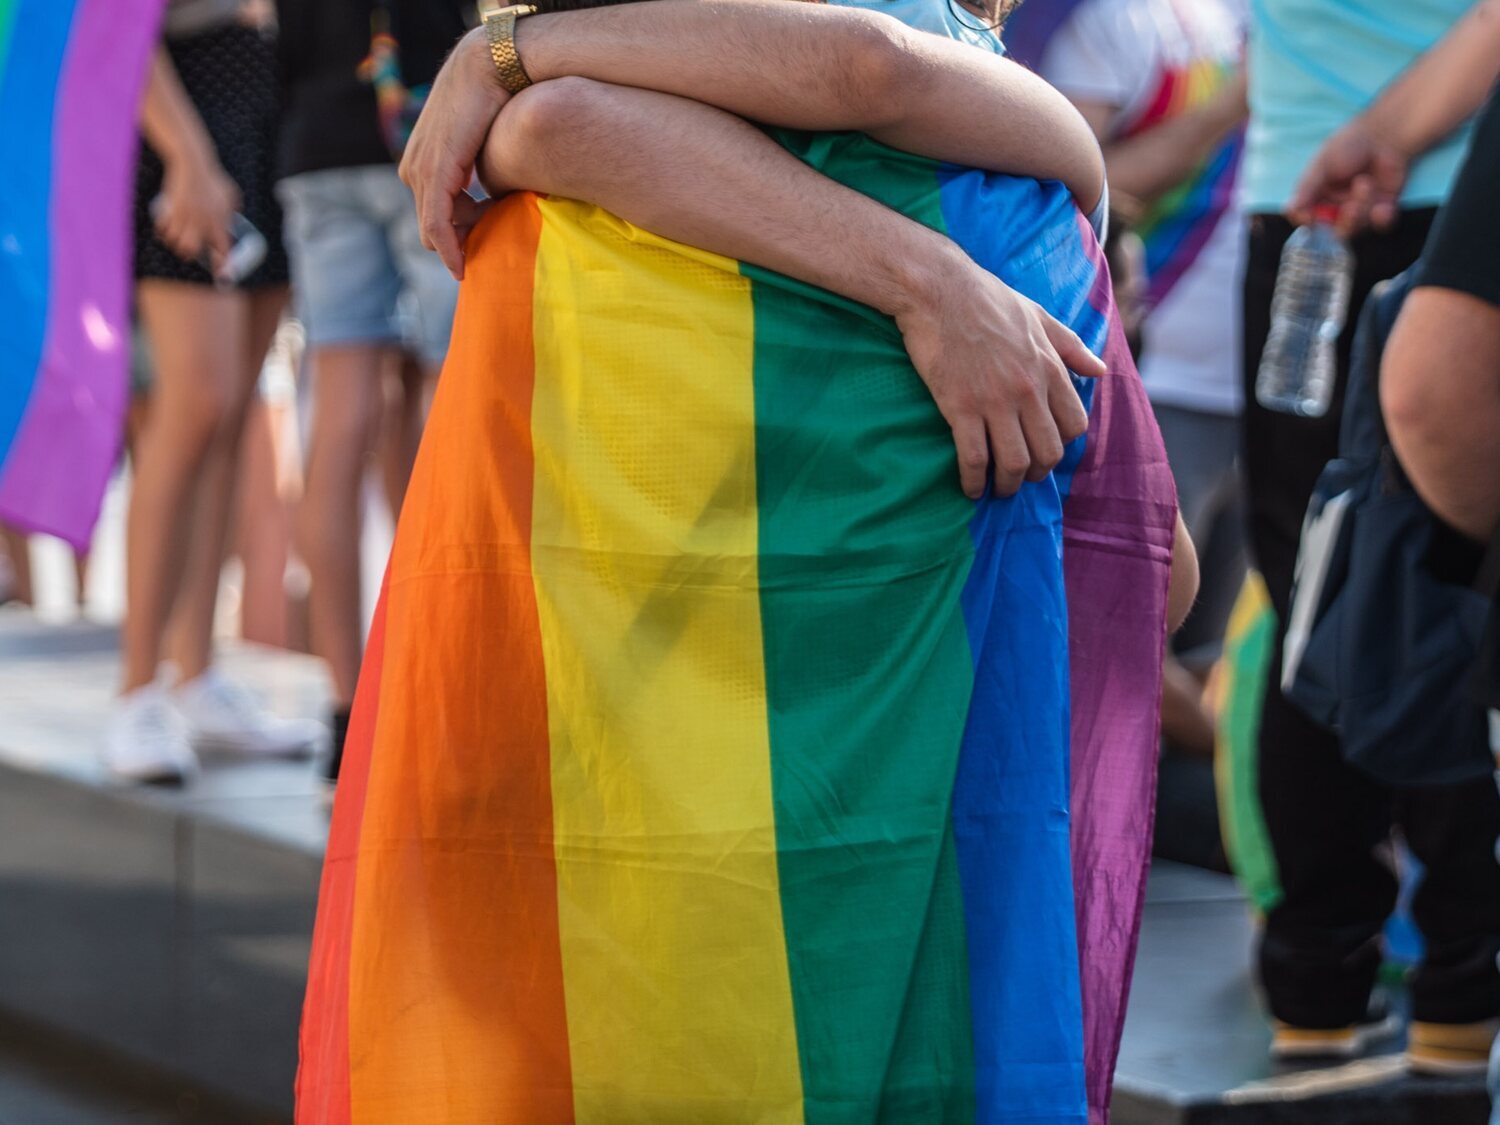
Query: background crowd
[[291, 329]]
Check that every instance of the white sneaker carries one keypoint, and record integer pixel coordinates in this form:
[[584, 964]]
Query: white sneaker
[[222, 715], [148, 741]]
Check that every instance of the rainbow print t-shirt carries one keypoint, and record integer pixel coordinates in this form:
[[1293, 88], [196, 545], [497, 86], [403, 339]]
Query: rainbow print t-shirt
[[1155, 60]]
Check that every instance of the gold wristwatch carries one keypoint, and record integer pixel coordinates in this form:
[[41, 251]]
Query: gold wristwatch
[[500, 30]]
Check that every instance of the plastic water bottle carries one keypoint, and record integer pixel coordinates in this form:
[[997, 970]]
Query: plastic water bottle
[[1298, 367]]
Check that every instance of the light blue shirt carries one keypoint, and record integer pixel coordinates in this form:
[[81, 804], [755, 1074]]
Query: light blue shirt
[[1314, 64]]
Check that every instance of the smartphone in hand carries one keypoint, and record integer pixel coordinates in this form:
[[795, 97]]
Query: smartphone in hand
[[247, 249]]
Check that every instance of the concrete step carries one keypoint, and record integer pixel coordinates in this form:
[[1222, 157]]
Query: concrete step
[[47, 1079], [172, 928]]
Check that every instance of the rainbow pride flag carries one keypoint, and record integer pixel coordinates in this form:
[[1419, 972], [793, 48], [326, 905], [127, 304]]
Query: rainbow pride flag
[[711, 760], [71, 74]]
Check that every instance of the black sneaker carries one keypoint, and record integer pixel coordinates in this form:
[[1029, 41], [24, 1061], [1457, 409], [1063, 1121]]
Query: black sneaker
[[338, 724]]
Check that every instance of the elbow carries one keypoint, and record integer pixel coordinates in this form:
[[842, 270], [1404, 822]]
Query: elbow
[[882, 71], [539, 133], [1413, 415], [1182, 587], [1418, 400]]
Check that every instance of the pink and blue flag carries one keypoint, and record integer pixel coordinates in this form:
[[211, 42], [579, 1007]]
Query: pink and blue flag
[[71, 73]]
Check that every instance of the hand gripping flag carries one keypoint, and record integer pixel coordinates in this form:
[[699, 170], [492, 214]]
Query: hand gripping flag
[[711, 760], [71, 73]]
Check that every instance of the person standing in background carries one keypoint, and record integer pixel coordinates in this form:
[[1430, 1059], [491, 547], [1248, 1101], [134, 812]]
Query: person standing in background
[[209, 125], [1162, 84], [363, 282], [1315, 70]]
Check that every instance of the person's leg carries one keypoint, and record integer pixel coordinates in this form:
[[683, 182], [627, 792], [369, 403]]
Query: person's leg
[[402, 413], [1453, 829], [191, 637], [196, 336], [347, 288], [263, 523], [15, 555], [1320, 949], [346, 415]]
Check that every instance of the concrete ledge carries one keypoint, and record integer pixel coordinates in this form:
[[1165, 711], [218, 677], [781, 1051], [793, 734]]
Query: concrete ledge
[[169, 926]]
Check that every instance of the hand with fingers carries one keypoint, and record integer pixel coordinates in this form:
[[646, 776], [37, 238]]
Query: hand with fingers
[[1358, 172], [438, 164], [997, 366], [196, 205]]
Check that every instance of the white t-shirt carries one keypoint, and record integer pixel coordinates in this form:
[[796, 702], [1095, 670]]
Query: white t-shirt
[[1153, 59]]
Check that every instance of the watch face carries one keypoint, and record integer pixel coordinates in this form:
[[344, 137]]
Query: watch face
[[488, 8]]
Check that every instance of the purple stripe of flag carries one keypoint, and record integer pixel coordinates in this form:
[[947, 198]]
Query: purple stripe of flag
[[1118, 524], [54, 477]]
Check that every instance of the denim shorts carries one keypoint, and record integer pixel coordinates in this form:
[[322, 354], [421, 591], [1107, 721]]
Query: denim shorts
[[359, 272]]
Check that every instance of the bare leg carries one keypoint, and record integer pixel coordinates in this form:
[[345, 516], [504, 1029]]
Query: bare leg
[[346, 417], [192, 623], [18, 551], [81, 576], [196, 335], [263, 525], [401, 428]]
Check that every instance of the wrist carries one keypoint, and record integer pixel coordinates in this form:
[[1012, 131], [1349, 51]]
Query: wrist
[[196, 160], [914, 281], [477, 67], [190, 150], [1382, 127], [533, 43]]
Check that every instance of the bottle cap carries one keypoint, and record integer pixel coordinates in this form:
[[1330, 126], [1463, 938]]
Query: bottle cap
[[1326, 213]]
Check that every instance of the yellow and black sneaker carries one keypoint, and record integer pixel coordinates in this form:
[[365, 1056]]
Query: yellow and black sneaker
[[1450, 1048], [1289, 1041]]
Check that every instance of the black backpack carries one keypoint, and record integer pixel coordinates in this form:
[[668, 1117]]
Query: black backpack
[[1380, 646]]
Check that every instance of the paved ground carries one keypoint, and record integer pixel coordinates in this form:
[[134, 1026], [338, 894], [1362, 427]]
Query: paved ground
[[45, 1083]]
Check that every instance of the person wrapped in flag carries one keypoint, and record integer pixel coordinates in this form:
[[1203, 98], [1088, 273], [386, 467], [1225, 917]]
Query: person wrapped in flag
[[711, 759]]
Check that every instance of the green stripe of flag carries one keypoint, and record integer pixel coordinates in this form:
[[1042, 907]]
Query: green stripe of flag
[[864, 551]]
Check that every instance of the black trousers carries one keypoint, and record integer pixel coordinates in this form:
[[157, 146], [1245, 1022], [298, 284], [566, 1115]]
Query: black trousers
[[1328, 823]]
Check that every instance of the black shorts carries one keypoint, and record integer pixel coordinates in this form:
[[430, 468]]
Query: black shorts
[[230, 75]]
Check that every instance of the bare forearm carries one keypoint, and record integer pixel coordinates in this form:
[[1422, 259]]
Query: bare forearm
[[1444, 86], [169, 120], [1147, 166], [701, 176], [815, 67]]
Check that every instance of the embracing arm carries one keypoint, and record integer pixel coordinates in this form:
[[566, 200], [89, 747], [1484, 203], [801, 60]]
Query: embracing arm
[[991, 357], [704, 177], [811, 66]]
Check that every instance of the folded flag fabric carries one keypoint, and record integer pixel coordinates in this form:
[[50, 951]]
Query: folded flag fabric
[[711, 757], [71, 73]]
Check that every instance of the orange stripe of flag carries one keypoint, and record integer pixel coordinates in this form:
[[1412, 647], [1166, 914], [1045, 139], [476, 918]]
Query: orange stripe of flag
[[456, 1003], [323, 1071]]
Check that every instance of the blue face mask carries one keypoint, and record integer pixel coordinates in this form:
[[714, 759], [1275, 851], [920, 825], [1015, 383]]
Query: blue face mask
[[939, 17]]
